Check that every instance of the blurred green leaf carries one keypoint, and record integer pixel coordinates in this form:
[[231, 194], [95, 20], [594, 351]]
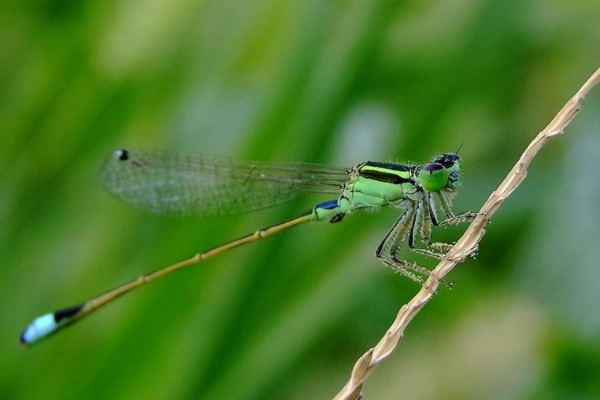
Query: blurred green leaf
[[332, 82]]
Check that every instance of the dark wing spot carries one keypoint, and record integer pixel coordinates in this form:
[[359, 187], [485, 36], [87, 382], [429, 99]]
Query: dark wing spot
[[122, 155]]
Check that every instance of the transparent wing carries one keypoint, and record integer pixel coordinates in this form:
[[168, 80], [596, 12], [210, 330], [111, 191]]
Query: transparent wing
[[198, 184]]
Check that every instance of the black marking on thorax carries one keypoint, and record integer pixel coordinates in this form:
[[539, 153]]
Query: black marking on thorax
[[392, 166], [387, 177]]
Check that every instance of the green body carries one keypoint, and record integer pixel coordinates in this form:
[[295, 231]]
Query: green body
[[373, 185], [193, 184]]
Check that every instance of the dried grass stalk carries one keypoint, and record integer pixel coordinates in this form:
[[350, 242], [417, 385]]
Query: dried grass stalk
[[463, 248]]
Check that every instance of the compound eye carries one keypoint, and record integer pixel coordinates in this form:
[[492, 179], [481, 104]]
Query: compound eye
[[433, 176]]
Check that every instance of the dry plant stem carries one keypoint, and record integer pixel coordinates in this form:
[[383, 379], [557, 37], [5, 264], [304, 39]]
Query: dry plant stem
[[463, 248]]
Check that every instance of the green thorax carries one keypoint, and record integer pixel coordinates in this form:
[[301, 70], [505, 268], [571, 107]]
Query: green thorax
[[372, 185], [377, 184]]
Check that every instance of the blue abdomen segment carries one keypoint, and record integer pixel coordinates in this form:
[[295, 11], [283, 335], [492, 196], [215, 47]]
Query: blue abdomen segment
[[47, 324], [328, 205], [329, 211]]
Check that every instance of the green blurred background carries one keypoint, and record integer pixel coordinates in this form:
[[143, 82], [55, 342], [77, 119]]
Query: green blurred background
[[335, 82]]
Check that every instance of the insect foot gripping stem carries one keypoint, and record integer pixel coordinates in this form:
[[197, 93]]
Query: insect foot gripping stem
[[460, 218]]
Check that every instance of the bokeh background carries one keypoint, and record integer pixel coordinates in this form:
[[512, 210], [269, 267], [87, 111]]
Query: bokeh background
[[335, 82]]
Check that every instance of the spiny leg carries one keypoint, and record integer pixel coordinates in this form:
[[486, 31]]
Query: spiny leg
[[445, 205], [426, 214], [404, 270], [390, 245], [429, 218], [449, 217], [439, 249], [455, 220]]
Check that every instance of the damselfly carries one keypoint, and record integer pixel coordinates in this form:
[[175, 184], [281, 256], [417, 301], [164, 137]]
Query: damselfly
[[201, 185]]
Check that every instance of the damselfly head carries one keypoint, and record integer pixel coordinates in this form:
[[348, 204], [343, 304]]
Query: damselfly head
[[452, 162], [443, 173]]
